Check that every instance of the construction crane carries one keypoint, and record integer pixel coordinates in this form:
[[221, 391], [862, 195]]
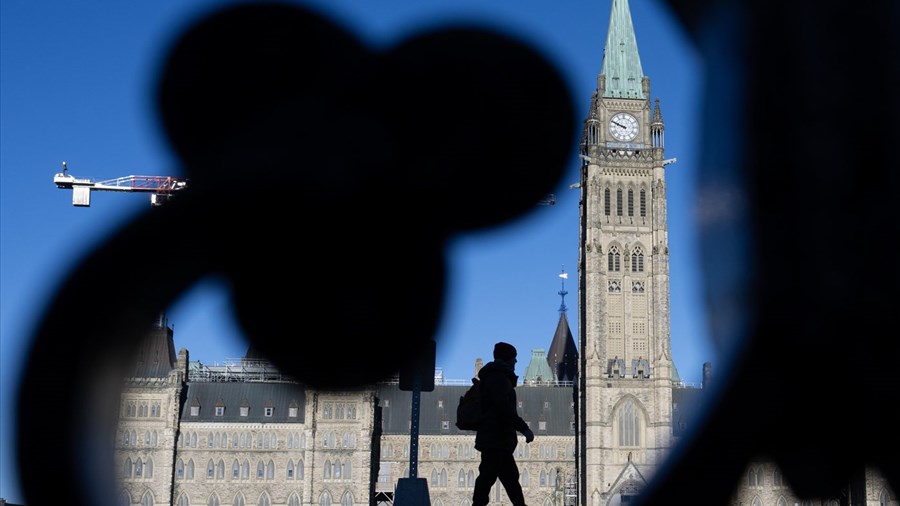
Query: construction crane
[[160, 188]]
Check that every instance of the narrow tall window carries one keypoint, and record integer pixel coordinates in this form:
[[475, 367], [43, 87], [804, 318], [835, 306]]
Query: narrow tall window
[[606, 201], [619, 202], [263, 500], [213, 500], [245, 470], [126, 470], [179, 470], [260, 470], [210, 470], [629, 425], [293, 500], [148, 469], [183, 500], [643, 203], [147, 500], [630, 202], [290, 469], [189, 472], [238, 500], [235, 470]]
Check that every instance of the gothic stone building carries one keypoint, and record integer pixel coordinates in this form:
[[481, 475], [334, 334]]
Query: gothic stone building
[[604, 416]]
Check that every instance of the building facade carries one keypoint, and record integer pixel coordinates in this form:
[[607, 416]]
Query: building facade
[[605, 411]]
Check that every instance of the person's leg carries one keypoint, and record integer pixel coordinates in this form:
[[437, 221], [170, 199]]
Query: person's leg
[[508, 472], [487, 475]]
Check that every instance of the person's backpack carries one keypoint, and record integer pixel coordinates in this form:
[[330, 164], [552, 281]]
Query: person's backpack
[[468, 412]]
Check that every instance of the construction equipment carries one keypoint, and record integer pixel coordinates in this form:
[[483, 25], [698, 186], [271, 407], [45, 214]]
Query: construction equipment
[[160, 188]]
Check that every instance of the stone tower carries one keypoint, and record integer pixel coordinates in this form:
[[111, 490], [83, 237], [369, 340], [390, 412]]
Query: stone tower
[[625, 408]]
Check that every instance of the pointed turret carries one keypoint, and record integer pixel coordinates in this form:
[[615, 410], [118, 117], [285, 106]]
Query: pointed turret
[[621, 68], [563, 355], [155, 356], [657, 131]]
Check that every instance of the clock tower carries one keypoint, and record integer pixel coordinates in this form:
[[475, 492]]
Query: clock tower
[[625, 408]]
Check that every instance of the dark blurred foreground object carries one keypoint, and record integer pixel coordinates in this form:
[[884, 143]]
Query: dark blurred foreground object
[[798, 222], [321, 170]]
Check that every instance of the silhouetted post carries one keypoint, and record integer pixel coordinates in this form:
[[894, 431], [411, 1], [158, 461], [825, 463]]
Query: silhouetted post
[[417, 376]]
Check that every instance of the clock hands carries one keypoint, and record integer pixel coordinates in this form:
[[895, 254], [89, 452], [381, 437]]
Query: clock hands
[[619, 124]]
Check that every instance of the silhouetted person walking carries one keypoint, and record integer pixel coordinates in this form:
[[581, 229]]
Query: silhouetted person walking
[[496, 438]]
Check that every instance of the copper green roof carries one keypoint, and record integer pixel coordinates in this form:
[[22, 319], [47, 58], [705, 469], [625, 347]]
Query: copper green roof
[[621, 61]]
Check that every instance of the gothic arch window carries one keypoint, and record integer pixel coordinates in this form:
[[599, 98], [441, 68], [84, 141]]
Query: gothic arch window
[[147, 500], [336, 471], [189, 472], [220, 470], [524, 477], [243, 440], [327, 470], [238, 500], [443, 482], [138, 468], [270, 470], [126, 470], [884, 499], [127, 438], [124, 498], [235, 470], [470, 478], [210, 440], [781, 502], [290, 440], [234, 440], [629, 424], [210, 469], [461, 479], [756, 502], [434, 478], [299, 469], [293, 500], [348, 471], [289, 470], [134, 440], [183, 500], [637, 287], [637, 259], [260, 470], [213, 500], [618, 202], [606, 203], [325, 499], [179, 470], [543, 478], [630, 202], [148, 468], [245, 470], [437, 502], [264, 500], [643, 203], [777, 479], [154, 438], [553, 477], [613, 259], [547, 502], [347, 499], [303, 440]]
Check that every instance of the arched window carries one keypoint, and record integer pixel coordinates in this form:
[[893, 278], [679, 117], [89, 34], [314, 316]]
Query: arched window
[[347, 499], [347, 470], [299, 469], [245, 470], [756, 502], [127, 438], [290, 441], [630, 202], [293, 500], [243, 440], [270, 471], [189, 472], [148, 469], [183, 500], [643, 203], [210, 440], [543, 478], [210, 469], [266, 440], [289, 470], [443, 481], [781, 502], [629, 425], [613, 260], [303, 440], [193, 440], [238, 500], [235, 470], [325, 499], [547, 502], [179, 470], [553, 477], [218, 441], [213, 500], [619, 202], [526, 480], [126, 469], [777, 479], [470, 479], [327, 469], [336, 471], [234, 440], [134, 439], [606, 201], [883, 498], [260, 470], [124, 498], [637, 260], [147, 500], [138, 468], [461, 480], [154, 438], [264, 500]]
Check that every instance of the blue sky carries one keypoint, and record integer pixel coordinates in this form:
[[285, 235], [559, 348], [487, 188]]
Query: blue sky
[[76, 84]]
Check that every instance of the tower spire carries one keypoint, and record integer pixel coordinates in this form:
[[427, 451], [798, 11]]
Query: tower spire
[[621, 61], [563, 276]]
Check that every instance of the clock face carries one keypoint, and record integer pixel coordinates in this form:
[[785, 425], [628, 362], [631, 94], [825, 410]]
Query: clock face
[[623, 126]]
